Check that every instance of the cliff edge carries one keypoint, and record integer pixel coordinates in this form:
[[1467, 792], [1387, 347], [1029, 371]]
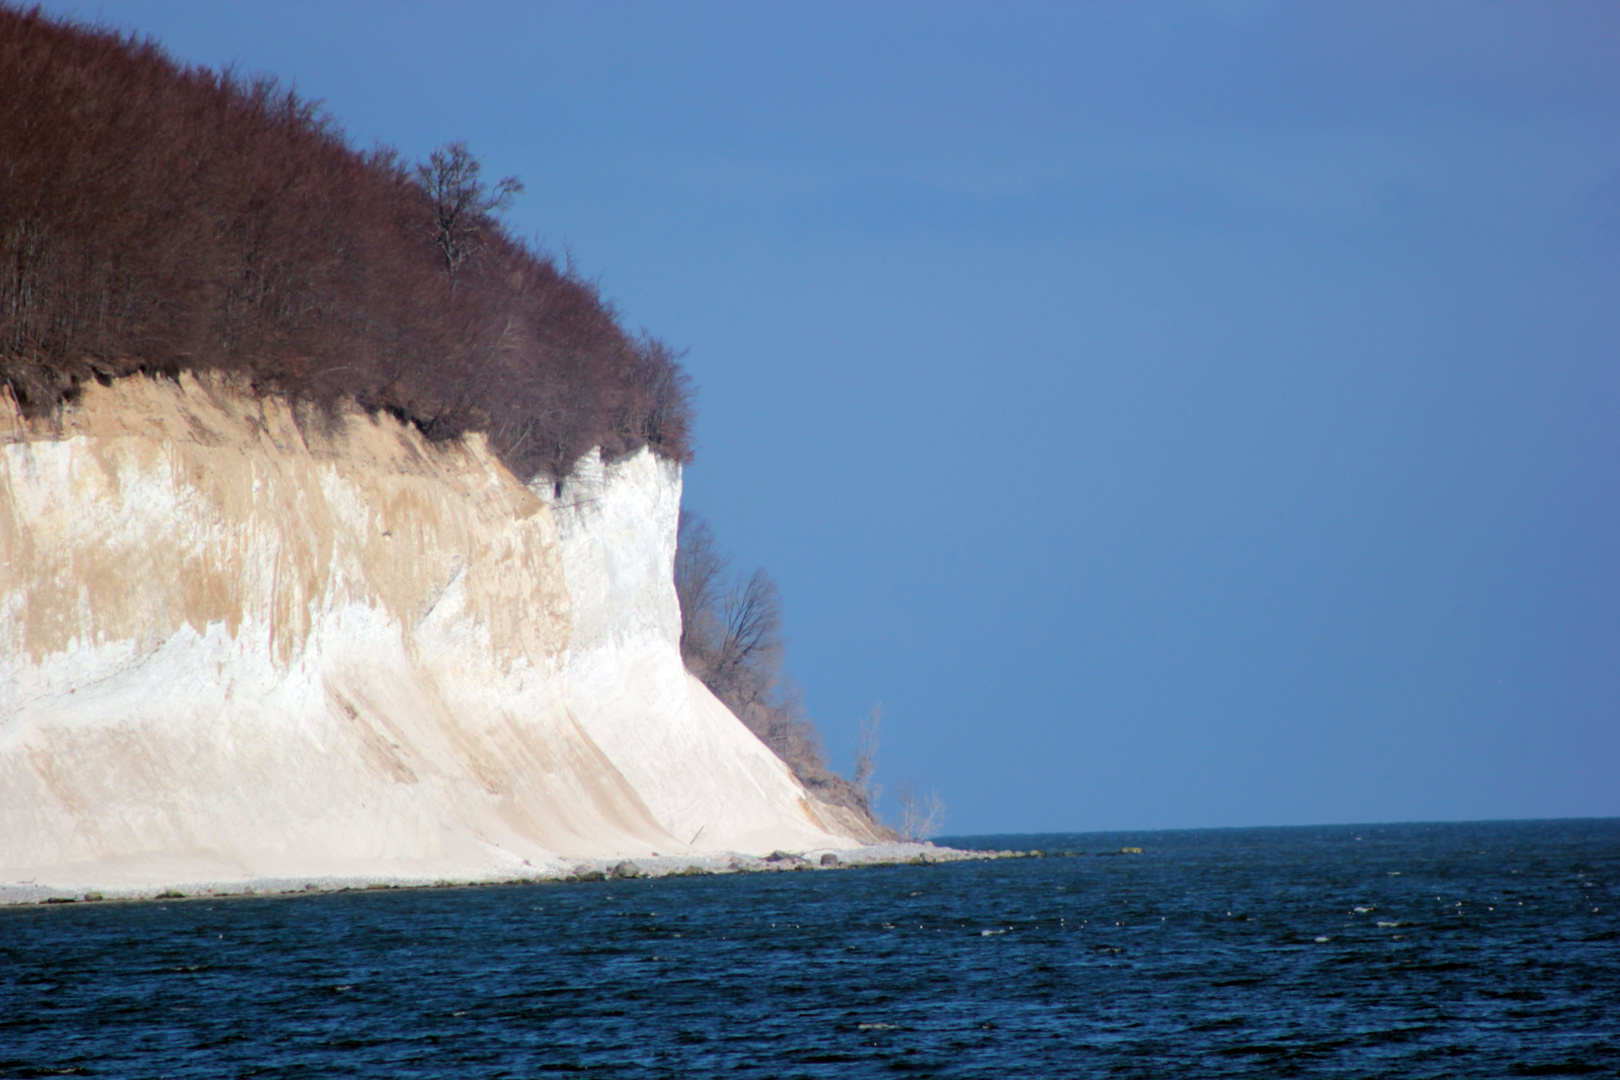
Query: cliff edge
[[241, 640]]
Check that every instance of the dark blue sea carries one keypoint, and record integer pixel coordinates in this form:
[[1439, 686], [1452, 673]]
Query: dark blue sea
[[1454, 950]]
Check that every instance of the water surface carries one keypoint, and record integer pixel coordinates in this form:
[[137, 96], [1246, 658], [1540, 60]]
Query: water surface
[[1457, 950]]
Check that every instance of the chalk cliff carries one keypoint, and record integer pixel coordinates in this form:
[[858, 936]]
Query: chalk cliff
[[239, 641]]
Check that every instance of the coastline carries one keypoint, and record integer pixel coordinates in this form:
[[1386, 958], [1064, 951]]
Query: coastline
[[31, 893]]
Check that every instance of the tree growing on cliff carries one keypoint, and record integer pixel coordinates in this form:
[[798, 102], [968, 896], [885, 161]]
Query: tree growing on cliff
[[699, 576], [731, 628], [747, 658], [731, 638]]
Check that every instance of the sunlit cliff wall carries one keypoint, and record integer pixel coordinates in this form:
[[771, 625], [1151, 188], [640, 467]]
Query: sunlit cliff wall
[[238, 641]]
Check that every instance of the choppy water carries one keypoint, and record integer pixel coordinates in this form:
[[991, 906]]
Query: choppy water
[[1477, 950]]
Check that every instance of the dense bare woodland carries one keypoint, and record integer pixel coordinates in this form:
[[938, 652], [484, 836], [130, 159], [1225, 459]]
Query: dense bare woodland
[[158, 219]]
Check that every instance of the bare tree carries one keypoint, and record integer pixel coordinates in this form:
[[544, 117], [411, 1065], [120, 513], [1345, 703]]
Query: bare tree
[[699, 571], [463, 205], [731, 638], [920, 815], [866, 756], [750, 649]]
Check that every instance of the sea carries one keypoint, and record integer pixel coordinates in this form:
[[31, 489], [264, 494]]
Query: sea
[[1421, 950]]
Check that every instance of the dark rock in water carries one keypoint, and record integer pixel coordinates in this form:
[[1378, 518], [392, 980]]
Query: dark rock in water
[[585, 873], [829, 859], [1037, 853], [627, 869], [171, 894]]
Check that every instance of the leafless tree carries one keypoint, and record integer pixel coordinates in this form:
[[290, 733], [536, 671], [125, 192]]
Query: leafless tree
[[731, 630], [920, 815], [699, 573], [463, 205], [731, 638], [866, 756], [748, 656]]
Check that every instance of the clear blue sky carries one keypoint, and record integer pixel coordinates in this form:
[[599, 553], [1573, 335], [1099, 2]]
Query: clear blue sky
[[1176, 415]]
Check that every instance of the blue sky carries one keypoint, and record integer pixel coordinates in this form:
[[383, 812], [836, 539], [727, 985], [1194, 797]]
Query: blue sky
[[1175, 415]]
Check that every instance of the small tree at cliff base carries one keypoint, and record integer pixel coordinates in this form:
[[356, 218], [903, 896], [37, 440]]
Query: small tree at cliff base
[[921, 815], [866, 757]]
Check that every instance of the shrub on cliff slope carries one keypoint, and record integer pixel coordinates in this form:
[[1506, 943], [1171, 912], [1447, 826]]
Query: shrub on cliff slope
[[157, 219]]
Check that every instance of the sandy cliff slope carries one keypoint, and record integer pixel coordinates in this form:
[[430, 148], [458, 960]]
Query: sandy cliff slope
[[238, 642]]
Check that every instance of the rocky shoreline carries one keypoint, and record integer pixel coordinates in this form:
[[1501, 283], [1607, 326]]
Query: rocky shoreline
[[18, 893]]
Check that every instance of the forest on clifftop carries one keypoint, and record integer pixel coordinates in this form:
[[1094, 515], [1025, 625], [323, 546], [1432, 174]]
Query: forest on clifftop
[[157, 218]]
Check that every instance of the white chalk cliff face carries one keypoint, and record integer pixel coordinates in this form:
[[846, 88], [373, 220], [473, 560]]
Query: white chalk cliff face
[[234, 645]]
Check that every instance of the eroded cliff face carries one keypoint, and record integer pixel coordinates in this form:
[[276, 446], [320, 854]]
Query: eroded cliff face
[[236, 642]]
